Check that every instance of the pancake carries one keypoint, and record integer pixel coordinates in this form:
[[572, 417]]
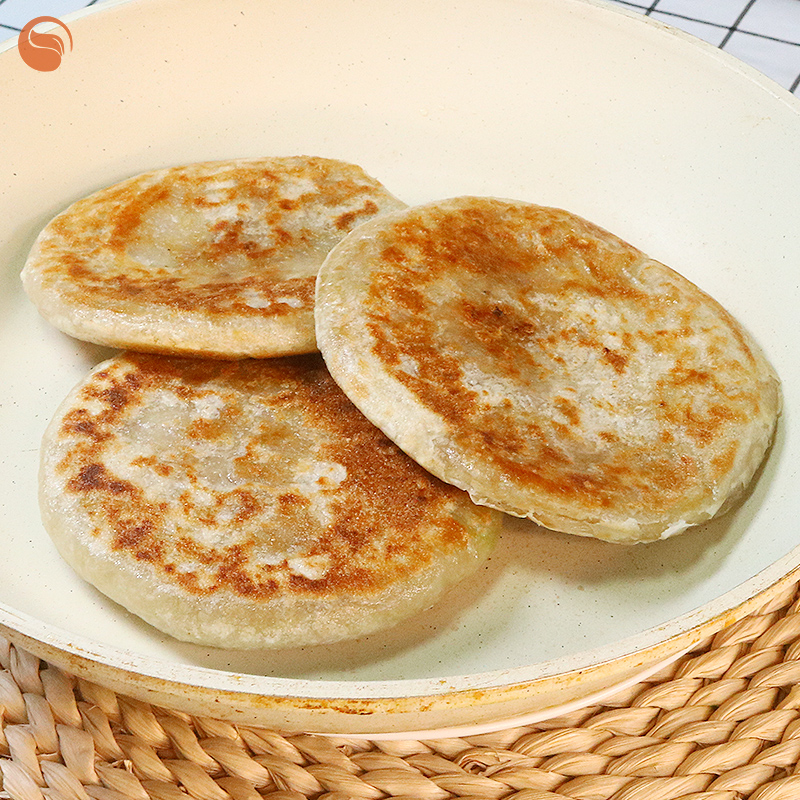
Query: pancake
[[215, 259], [547, 367], [248, 503]]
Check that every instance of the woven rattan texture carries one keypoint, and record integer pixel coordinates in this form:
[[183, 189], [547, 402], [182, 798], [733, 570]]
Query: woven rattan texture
[[721, 723]]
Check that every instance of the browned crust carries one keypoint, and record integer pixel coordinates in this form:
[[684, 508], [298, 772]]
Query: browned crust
[[256, 231], [115, 216], [389, 517], [586, 335]]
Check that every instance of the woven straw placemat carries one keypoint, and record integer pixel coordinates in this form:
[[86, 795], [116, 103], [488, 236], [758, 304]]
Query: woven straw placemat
[[721, 723]]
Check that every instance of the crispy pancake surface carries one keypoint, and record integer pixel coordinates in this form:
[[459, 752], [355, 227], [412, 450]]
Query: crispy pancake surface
[[248, 503], [216, 259], [547, 367]]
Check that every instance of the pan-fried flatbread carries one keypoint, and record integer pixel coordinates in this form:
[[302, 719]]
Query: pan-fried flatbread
[[547, 367], [248, 503], [216, 259]]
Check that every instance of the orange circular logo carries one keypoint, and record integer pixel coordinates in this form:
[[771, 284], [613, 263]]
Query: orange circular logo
[[42, 51]]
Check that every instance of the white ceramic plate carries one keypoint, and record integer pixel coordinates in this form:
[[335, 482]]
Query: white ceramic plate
[[683, 151]]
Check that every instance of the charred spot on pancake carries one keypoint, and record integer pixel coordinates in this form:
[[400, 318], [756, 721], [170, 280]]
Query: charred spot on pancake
[[617, 360], [348, 220], [138, 539], [96, 478]]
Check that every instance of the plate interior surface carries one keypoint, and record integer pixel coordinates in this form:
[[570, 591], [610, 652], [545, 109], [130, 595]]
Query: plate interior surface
[[677, 148]]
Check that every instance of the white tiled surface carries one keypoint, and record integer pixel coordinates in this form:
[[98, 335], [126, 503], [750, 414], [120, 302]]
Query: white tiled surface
[[722, 13], [763, 33], [15, 13], [779, 19]]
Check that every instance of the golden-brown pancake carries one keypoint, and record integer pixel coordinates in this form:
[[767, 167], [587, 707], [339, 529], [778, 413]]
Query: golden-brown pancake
[[216, 259], [547, 367], [248, 503]]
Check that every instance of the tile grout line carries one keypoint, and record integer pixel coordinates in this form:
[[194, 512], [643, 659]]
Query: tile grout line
[[730, 29], [736, 22], [766, 37]]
